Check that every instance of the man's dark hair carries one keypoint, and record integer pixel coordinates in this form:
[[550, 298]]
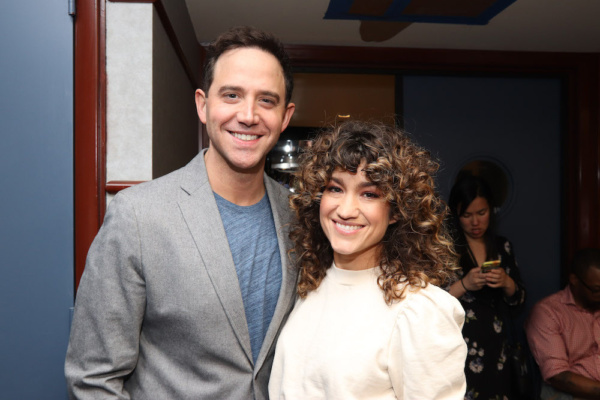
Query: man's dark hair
[[584, 259], [247, 36]]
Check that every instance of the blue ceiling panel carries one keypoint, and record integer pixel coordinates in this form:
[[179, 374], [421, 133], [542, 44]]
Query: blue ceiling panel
[[435, 11]]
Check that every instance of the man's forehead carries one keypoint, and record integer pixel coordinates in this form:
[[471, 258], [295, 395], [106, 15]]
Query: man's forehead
[[235, 65]]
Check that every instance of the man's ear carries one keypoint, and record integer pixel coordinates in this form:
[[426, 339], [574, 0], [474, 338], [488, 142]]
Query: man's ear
[[201, 105], [573, 280], [287, 115]]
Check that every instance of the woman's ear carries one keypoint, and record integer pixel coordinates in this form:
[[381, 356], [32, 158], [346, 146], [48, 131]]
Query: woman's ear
[[458, 209], [393, 218]]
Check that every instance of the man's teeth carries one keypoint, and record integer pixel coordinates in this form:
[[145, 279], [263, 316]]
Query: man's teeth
[[244, 137], [348, 227]]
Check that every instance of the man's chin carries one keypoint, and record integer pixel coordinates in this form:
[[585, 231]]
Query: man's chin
[[247, 166]]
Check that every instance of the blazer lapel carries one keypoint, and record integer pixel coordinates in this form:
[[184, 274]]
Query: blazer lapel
[[201, 214], [287, 294]]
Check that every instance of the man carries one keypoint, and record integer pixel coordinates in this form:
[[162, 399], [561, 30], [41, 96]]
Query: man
[[188, 282], [564, 333]]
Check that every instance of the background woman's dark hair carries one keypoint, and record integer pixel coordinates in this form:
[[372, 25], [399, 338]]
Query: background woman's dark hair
[[247, 36], [416, 248], [465, 190]]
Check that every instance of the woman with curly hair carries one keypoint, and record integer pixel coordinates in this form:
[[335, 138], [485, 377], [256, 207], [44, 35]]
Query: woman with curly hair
[[369, 240]]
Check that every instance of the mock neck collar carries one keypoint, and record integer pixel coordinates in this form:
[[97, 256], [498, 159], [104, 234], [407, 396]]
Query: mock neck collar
[[352, 277]]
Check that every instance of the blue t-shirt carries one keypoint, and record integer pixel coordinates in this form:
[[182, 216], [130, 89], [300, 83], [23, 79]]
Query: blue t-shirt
[[253, 242]]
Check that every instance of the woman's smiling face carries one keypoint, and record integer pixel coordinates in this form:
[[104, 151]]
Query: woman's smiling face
[[354, 216]]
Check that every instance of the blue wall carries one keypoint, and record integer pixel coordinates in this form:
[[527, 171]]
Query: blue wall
[[36, 197], [515, 122]]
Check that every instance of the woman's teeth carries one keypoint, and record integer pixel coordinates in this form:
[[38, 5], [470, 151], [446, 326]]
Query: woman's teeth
[[348, 227]]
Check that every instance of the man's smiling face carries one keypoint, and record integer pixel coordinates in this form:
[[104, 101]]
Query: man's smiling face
[[244, 110]]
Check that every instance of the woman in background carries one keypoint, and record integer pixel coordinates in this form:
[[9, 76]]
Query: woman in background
[[370, 321], [489, 297]]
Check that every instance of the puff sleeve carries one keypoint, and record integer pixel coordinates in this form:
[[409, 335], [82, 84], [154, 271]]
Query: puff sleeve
[[427, 350]]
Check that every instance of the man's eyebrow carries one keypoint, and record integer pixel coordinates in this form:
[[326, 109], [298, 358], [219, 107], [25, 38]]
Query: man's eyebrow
[[224, 89], [268, 93]]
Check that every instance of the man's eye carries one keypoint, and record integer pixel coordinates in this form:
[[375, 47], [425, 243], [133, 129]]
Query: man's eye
[[268, 102]]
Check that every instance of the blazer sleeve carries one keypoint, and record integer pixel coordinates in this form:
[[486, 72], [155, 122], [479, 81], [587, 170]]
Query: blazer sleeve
[[109, 309], [427, 349]]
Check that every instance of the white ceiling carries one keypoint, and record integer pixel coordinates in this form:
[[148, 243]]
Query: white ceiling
[[526, 25]]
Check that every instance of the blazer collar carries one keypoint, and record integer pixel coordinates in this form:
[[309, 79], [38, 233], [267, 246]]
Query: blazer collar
[[199, 208], [200, 211]]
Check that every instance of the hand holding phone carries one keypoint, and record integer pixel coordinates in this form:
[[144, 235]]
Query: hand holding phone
[[487, 266]]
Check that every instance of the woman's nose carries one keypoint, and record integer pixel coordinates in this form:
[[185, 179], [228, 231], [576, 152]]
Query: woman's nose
[[348, 207]]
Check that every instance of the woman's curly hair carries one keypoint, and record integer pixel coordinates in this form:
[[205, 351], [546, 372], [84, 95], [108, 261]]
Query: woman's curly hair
[[416, 249]]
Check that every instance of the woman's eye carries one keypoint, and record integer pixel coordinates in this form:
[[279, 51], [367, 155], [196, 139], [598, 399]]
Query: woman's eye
[[334, 189], [371, 195]]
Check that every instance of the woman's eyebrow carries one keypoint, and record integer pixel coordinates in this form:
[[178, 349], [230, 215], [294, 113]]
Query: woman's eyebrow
[[366, 184]]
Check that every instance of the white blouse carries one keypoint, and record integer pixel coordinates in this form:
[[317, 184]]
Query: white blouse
[[344, 342]]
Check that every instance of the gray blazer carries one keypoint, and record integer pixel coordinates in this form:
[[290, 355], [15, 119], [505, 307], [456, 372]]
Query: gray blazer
[[159, 312]]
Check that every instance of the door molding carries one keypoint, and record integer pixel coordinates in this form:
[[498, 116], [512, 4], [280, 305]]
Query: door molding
[[89, 127]]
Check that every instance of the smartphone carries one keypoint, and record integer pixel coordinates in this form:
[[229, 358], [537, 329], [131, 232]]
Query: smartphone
[[487, 266]]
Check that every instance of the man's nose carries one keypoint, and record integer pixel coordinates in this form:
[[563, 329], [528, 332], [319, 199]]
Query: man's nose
[[247, 114]]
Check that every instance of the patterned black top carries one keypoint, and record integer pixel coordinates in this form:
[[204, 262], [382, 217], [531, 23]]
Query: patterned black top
[[486, 328]]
